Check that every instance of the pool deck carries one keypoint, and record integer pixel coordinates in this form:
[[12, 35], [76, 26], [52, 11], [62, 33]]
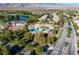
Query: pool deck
[[39, 26]]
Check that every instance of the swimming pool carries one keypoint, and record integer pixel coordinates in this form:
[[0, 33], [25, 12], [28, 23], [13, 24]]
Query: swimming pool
[[40, 29], [35, 30]]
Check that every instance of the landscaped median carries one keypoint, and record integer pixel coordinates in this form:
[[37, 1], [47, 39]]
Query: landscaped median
[[69, 32]]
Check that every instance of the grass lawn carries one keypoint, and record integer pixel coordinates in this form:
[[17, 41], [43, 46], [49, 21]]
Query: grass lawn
[[2, 23]]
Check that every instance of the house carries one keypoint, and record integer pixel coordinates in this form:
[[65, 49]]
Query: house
[[48, 18], [16, 25], [43, 18]]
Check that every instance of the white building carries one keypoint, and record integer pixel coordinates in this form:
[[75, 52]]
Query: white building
[[43, 18]]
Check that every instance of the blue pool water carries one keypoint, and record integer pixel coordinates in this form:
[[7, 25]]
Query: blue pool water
[[34, 30], [23, 18], [37, 30]]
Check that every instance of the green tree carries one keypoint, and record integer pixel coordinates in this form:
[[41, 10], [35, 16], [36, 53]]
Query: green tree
[[29, 47], [39, 38], [27, 35], [75, 26], [4, 50], [38, 50]]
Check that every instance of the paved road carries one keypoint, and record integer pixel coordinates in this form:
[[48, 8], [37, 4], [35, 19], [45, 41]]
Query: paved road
[[72, 48], [59, 47]]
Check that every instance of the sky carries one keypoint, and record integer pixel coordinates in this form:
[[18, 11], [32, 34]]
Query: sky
[[65, 4], [71, 4], [41, 4]]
